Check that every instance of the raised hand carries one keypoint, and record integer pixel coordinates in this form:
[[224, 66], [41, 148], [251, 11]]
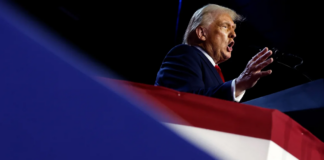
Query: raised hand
[[252, 72]]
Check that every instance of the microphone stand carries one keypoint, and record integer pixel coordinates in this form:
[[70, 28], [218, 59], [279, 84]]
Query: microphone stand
[[276, 56]]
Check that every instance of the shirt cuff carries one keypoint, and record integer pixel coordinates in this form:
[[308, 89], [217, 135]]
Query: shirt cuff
[[238, 98]]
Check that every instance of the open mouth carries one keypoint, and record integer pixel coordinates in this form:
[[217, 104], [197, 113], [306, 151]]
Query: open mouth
[[230, 46]]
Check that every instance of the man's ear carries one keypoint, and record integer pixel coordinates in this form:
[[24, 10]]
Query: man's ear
[[201, 34]]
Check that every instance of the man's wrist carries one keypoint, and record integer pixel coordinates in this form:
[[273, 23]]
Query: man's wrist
[[239, 87]]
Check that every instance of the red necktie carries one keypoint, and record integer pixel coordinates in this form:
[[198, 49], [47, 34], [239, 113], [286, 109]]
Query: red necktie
[[219, 72]]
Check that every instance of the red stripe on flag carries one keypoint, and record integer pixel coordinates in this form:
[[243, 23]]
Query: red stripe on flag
[[221, 115]]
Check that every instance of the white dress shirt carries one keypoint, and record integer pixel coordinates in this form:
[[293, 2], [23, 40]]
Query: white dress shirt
[[236, 99]]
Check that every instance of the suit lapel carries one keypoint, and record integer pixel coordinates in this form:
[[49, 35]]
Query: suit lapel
[[209, 65]]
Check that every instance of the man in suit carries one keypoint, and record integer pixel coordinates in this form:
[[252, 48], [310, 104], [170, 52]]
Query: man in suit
[[208, 41]]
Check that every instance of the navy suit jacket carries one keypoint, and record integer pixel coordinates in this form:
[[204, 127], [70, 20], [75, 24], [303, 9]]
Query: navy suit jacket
[[187, 69]]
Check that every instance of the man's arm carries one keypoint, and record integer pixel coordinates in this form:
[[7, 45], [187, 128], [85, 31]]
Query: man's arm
[[181, 70]]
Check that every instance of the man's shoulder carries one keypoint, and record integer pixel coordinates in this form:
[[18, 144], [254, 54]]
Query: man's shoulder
[[183, 49]]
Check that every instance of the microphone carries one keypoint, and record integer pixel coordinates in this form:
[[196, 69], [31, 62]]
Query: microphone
[[279, 57]]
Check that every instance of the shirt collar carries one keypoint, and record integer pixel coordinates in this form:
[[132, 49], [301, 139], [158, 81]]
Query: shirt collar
[[207, 55]]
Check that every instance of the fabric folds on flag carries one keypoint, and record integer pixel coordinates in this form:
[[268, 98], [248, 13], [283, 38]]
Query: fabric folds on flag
[[231, 130]]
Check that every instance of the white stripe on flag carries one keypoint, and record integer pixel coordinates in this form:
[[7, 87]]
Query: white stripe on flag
[[228, 146]]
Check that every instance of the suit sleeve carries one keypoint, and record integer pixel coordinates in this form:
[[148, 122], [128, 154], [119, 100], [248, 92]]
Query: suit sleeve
[[181, 70]]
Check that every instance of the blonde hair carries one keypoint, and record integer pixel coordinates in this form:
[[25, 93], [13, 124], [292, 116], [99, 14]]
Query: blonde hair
[[205, 16]]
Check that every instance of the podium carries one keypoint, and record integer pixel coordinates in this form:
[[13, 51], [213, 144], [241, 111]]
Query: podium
[[303, 103], [226, 129]]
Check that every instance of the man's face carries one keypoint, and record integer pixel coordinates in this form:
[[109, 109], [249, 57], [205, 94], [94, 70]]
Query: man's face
[[220, 36]]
